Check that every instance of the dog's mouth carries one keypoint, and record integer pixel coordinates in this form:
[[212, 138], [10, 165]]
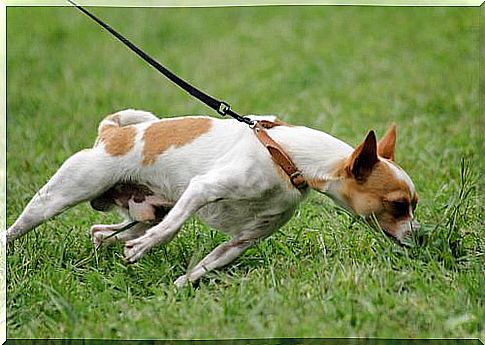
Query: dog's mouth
[[405, 238], [402, 233]]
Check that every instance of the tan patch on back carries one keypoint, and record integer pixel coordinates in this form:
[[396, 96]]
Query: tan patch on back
[[117, 141], [164, 134]]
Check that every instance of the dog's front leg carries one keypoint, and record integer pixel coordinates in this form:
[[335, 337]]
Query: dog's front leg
[[200, 191], [219, 257]]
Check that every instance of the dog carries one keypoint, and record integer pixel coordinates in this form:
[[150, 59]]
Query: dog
[[159, 172]]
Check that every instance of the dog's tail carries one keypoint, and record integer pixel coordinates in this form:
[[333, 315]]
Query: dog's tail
[[125, 118]]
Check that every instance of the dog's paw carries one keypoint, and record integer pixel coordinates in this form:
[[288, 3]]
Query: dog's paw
[[101, 236], [181, 281], [136, 248]]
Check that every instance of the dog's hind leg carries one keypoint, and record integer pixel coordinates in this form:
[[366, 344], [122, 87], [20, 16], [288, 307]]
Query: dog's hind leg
[[219, 257], [106, 234], [82, 177]]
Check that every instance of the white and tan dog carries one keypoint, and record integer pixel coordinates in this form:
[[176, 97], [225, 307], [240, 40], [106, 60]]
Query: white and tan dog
[[219, 170]]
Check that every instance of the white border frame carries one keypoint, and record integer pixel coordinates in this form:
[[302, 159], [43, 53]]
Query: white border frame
[[136, 3]]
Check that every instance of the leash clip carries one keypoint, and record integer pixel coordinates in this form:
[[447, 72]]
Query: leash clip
[[223, 108]]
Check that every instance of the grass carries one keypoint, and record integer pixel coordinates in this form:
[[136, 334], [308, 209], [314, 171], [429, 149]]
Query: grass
[[339, 69]]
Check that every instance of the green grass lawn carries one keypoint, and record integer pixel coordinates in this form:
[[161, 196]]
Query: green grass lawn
[[343, 70]]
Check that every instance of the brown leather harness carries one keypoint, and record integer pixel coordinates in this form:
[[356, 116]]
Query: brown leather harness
[[279, 156]]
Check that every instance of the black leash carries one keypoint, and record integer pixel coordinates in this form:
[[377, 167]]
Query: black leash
[[221, 107]]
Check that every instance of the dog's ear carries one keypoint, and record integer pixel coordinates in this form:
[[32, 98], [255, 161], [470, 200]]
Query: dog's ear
[[363, 158], [387, 145]]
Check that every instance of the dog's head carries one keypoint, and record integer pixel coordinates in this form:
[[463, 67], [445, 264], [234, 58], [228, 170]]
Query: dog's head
[[375, 187]]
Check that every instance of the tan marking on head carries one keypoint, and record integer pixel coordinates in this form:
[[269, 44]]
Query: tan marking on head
[[374, 196], [380, 184], [162, 135], [117, 141]]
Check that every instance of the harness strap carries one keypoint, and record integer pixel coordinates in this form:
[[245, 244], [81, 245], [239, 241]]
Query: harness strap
[[277, 153]]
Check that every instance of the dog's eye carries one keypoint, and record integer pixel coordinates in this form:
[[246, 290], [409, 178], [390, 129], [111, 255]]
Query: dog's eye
[[400, 208]]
